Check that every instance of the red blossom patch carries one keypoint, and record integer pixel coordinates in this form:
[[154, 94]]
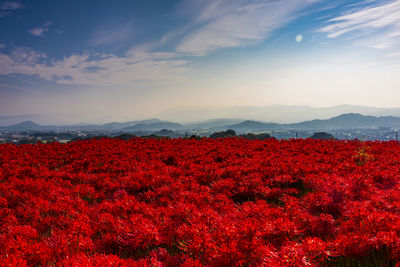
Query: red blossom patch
[[187, 202]]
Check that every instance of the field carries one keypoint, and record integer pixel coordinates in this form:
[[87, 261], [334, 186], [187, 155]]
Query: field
[[185, 202]]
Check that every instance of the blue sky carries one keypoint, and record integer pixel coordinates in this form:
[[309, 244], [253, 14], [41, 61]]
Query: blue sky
[[121, 60]]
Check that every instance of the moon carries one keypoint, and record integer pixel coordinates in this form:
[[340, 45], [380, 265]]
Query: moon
[[299, 38]]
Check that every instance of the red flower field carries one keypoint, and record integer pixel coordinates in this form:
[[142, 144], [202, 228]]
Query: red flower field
[[185, 202]]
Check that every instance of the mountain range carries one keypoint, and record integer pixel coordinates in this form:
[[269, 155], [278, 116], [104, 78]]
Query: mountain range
[[273, 113], [212, 114], [344, 121]]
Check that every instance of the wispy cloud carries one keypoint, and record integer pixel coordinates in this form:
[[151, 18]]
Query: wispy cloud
[[39, 31], [96, 69], [112, 34], [8, 7], [233, 23], [2, 45], [18, 88], [374, 26]]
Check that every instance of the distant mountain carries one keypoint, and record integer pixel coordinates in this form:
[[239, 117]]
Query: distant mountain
[[151, 124], [155, 126], [121, 125], [26, 126], [211, 124], [11, 120], [349, 121], [51, 119], [273, 113], [344, 121], [167, 133], [254, 126]]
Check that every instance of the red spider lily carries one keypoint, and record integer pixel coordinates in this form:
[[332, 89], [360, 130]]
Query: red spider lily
[[186, 202]]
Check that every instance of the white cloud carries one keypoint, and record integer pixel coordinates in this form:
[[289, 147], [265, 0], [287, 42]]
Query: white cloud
[[95, 69], [395, 54], [11, 5], [38, 31], [233, 23], [7, 8], [377, 25]]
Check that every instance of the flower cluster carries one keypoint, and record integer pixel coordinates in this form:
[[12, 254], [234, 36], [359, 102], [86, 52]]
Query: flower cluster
[[207, 202]]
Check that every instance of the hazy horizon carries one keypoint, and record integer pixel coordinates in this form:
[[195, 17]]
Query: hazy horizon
[[97, 61]]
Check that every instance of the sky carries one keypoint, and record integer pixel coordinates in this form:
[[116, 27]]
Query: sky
[[120, 60]]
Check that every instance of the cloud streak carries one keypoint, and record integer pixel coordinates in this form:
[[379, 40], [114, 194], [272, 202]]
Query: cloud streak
[[110, 35], [95, 69], [233, 23], [18, 88], [377, 26]]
